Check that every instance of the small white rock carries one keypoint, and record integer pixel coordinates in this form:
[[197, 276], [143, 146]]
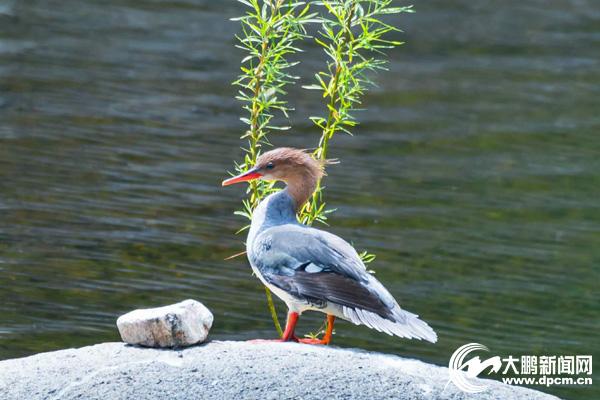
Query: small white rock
[[176, 325]]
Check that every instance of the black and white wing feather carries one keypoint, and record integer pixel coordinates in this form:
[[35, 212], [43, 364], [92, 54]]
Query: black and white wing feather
[[321, 268]]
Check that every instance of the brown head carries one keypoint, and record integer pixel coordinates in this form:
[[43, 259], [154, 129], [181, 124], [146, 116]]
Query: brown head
[[295, 167]]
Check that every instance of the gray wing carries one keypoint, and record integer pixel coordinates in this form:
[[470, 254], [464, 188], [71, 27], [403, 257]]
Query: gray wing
[[294, 246], [318, 266]]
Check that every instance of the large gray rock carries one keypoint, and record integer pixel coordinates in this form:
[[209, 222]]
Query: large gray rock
[[233, 370], [177, 325]]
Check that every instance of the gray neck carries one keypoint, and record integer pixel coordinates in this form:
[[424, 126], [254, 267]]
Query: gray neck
[[276, 209]]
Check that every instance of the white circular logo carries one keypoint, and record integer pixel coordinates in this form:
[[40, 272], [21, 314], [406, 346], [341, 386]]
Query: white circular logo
[[464, 380]]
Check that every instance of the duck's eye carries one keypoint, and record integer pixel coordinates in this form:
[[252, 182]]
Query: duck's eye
[[270, 166]]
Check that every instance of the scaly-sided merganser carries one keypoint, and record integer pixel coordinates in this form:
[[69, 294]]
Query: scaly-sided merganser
[[310, 269]]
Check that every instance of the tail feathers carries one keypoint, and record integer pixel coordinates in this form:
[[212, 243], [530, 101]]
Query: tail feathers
[[406, 324]]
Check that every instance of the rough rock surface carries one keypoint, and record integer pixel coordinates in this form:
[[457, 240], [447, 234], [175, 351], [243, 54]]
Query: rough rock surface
[[233, 370], [176, 325]]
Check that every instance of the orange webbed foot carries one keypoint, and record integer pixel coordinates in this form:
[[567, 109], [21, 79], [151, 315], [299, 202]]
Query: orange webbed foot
[[294, 339], [313, 341]]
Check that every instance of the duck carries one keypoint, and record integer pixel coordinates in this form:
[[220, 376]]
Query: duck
[[310, 269]]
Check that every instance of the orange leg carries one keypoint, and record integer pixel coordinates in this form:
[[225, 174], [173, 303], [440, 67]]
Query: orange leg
[[326, 338], [290, 327], [288, 334]]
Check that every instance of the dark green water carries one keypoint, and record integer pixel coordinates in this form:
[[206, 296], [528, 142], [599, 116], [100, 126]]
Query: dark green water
[[474, 175]]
